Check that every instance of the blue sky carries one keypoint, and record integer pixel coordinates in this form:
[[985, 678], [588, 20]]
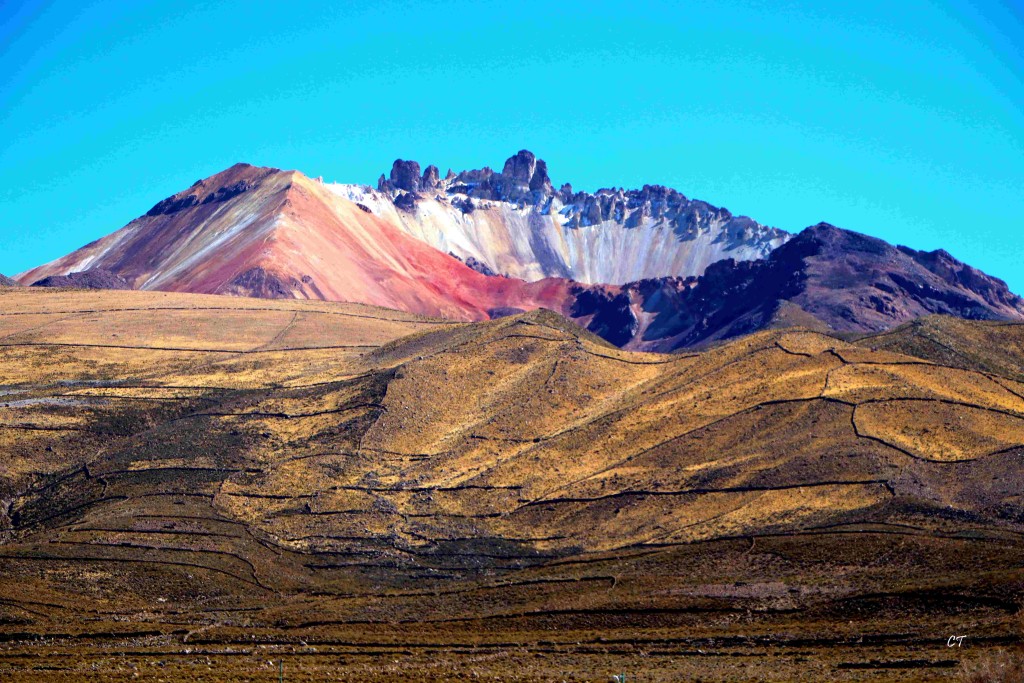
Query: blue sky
[[902, 120]]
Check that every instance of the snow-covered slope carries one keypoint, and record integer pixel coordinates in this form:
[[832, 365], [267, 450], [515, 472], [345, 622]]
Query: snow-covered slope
[[514, 223]]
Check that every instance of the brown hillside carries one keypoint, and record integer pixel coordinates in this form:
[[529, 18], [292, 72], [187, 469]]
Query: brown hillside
[[203, 474], [994, 346]]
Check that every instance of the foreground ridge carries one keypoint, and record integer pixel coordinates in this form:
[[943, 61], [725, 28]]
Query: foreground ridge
[[299, 473]]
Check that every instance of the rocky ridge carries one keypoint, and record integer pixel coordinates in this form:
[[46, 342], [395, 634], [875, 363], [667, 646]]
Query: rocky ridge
[[825, 278], [96, 278], [517, 224]]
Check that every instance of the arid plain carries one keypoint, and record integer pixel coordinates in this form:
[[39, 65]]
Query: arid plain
[[198, 487]]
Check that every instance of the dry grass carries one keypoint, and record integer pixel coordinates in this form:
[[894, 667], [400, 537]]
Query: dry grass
[[513, 497], [997, 667]]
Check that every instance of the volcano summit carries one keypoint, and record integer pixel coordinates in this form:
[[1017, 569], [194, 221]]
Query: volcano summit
[[646, 269]]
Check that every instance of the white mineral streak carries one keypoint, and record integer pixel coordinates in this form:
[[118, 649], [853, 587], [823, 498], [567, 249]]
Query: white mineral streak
[[534, 242]]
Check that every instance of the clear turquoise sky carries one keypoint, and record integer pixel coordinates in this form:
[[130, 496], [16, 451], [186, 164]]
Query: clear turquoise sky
[[899, 119]]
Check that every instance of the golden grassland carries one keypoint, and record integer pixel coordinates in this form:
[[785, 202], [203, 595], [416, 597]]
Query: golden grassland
[[192, 487]]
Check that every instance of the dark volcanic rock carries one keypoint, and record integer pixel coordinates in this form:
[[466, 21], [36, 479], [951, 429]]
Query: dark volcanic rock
[[844, 280], [504, 312], [479, 266], [606, 314], [258, 282], [87, 279], [540, 182], [8, 282], [464, 205], [174, 204], [405, 175], [431, 178], [222, 194], [217, 188], [406, 201], [861, 283], [520, 167], [958, 274], [523, 179]]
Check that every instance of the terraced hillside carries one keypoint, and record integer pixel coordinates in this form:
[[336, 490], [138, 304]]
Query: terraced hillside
[[195, 487]]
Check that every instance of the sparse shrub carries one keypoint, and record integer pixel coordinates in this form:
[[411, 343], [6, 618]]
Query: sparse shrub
[[996, 667]]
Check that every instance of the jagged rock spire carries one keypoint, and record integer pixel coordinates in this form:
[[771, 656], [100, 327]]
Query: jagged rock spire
[[520, 166], [405, 175]]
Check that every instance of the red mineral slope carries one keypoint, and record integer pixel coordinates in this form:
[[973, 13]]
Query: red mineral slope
[[264, 232]]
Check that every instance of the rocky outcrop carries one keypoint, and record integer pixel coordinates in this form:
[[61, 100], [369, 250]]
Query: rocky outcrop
[[431, 178], [539, 181], [405, 183], [605, 312], [219, 188], [516, 222], [523, 178], [406, 201], [504, 312], [260, 283], [405, 175], [222, 194], [173, 205], [478, 266], [519, 168], [960, 275], [97, 278]]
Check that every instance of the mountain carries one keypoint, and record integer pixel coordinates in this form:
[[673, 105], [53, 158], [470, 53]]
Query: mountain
[[8, 282], [214, 482], [641, 268], [263, 232], [825, 278], [515, 223]]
